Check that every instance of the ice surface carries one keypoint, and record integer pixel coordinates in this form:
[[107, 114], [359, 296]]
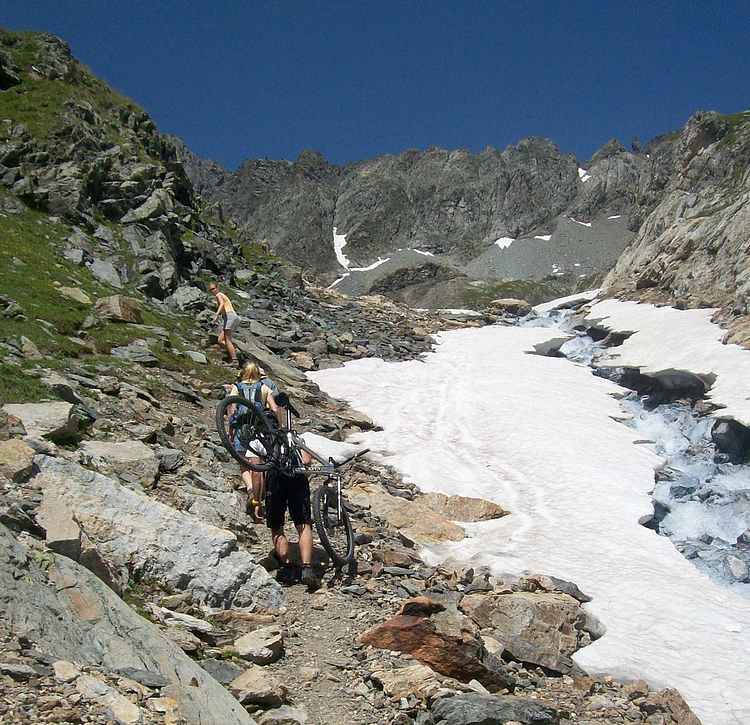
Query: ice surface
[[537, 435], [544, 237], [339, 242], [504, 242], [670, 339]]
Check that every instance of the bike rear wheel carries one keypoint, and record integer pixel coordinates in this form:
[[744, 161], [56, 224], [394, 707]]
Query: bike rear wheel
[[238, 438], [333, 525]]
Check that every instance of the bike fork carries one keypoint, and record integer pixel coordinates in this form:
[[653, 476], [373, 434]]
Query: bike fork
[[339, 512]]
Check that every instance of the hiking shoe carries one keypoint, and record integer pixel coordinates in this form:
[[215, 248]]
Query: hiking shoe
[[310, 578], [287, 575]]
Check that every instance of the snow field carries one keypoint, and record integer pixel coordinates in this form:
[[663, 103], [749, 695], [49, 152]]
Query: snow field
[[480, 417]]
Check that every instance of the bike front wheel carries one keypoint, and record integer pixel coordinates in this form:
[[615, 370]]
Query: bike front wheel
[[333, 525]]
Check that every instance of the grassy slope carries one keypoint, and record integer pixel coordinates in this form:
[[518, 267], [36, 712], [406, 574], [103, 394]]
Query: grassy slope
[[40, 103]]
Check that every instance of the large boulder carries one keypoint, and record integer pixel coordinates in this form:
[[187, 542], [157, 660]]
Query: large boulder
[[446, 640], [415, 520], [464, 508], [257, 686], [145, 538], [56, 420], [70, 614], [275, 366], [477, 709], [137, 351], [731, 438], [510, 306], [187, 298], [119, 308], [541, 628], [131, 461], [104, 270], [157, 204], [16, 460]]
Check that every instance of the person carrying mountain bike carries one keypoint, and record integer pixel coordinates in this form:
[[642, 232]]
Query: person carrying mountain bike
[[282, 490]]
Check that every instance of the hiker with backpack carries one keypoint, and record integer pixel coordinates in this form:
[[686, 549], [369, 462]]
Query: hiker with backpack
[[259, 391], [229, 321]]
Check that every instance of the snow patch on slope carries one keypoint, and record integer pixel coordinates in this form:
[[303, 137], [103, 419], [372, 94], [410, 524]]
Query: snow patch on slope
[[426, 254], [544, 237], [583, 175], [339, 242], [374, 265], [504, 242]]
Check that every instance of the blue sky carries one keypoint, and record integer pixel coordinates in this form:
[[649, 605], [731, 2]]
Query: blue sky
[[354, 79]]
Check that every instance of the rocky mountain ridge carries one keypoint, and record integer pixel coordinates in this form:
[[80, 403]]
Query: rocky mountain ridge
[[679, 198]]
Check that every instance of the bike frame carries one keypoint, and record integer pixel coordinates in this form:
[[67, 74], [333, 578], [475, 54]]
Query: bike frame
[[325, 468]]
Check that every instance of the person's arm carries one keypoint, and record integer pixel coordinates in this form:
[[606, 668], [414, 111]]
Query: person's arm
[[230, 408], [272, 404]]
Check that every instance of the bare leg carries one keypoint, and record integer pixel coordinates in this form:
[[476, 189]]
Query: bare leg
[[281, 545], [230, 345], [258, 488], [220, 340], [305, 543]]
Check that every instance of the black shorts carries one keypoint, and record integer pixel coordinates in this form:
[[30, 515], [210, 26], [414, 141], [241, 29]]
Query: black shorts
[[282, 492]]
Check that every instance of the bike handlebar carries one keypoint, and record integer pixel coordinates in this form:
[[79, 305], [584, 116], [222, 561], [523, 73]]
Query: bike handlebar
[[346, 461]]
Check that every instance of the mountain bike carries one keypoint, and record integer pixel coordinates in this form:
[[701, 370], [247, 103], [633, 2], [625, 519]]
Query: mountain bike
[[248, 433]]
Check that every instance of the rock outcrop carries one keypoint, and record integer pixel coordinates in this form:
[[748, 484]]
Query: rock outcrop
[[693, 246], [137, 536], [71, 614]]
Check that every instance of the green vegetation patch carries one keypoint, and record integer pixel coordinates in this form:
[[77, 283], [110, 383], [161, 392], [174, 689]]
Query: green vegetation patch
[[29, 268], [17, 386]]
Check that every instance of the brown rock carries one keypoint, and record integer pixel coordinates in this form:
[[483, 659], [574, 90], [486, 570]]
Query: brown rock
[[464, 508], [415, 679], [16, 460], [421, 607], [510, 306], [256, 686], [119, 308], [447, 642], [541, 628], [62, 533], [303, 360], [415, 520], [10, 426], [263, 646], [670, 702]]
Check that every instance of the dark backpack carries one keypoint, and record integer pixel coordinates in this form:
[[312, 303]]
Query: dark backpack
[[265, 422]]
